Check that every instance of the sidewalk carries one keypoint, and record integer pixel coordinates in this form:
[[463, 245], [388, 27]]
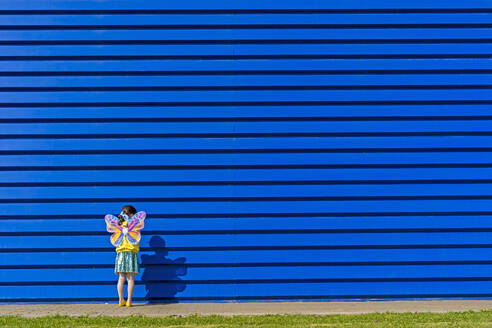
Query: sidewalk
[[250, 308]]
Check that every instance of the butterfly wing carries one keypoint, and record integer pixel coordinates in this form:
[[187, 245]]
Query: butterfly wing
[[117, 238], [137, 222], [135, 225], [112, 223], [112, 226], [133, 237]]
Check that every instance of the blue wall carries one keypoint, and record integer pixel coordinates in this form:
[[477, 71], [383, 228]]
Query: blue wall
[[283, 150]]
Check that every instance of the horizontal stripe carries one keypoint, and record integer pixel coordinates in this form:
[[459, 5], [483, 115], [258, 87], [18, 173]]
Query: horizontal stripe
[[209, 224], [252, 49], [212, 183], [111, 250], [359, 10], [245, 36], [241, 64], [317, 87], [238, 151], [245, 103], [243, 281], [226, 56], [230, 241], [239, 26], [238, 199], [253, 290], [291, 17], [340, 297], [249, 72], [248, 17], [220, 167], [250, 41], [257, 257], [246, 83], [255, 232], [14, 267]]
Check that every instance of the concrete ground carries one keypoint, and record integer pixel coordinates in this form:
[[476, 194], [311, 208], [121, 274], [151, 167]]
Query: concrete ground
[[249, 308]]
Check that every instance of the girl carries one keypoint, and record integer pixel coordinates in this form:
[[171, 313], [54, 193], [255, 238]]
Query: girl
[[126, 263]]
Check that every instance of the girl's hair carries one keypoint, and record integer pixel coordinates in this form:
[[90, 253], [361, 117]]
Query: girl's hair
[[128, 209]]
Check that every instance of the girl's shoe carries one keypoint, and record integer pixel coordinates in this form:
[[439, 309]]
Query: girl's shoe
[[120, 304], [128, 304]]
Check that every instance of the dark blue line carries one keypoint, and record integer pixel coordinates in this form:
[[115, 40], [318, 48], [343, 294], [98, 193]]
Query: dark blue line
[[248, 72], [251, 231], [254, 298], [242, 11], [252, 215], [246, 151], [243, 135], [245, 183], [247, 119], [251, 87], [237, 199], [246, 41], [242, 248], [249, 57], [244, 281], [244, 103], [239, 26], [242, 167], [245, 265]]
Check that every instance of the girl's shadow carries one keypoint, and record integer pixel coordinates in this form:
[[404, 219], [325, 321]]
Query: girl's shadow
[[158, 268]]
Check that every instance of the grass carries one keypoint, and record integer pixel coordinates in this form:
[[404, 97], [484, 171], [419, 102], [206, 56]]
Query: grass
[[475, 319]]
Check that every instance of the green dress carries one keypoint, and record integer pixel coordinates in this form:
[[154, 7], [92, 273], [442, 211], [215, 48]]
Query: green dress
[[127, 262]]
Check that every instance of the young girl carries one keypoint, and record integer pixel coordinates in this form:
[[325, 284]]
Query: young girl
[[126, 263]]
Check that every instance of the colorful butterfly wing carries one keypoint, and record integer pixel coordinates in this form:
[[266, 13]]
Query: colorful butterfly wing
[[117, 238], [137, 222], [133, 237], [112, 223], [112, 226]]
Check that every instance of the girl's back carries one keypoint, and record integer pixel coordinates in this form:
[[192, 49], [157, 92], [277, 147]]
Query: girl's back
[[126, 246]]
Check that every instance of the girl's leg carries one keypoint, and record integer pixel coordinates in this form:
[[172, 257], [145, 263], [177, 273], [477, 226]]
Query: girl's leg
[[131, 284], [121, 284]]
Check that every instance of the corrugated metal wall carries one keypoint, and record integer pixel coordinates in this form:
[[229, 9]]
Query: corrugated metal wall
[[283, 150]]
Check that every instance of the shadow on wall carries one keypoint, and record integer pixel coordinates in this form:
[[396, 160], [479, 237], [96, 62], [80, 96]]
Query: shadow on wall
[[158, 268]]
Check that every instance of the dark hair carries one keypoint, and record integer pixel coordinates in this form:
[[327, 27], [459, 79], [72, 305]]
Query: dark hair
[[129, 209]]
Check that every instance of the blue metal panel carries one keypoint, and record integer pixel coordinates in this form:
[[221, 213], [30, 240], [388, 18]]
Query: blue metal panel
[[283, 150]]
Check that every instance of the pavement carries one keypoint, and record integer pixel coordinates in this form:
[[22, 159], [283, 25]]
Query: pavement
[[245, 308]]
